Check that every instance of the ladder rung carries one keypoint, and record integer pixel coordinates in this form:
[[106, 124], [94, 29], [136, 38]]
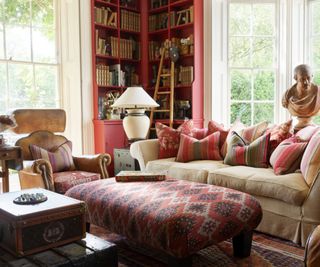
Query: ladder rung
[[152, 129], [164, 93], [165, 75], [162, 110]]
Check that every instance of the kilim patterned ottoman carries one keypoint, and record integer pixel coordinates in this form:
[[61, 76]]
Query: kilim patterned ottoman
[[175, 216]]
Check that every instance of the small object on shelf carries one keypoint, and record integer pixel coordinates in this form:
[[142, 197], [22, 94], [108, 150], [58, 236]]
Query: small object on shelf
[[30, 199], [174, 53], [139, 176], [182, 106]]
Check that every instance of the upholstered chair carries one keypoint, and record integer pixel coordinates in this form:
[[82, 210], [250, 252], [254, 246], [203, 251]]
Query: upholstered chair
[[47, 156]]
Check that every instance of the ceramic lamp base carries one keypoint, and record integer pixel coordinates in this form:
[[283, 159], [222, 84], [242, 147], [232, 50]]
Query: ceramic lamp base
[[136, 124]]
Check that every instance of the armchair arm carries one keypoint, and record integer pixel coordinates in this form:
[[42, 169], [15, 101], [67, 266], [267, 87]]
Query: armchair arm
[[96, 163], [144, 151], [37, 173]]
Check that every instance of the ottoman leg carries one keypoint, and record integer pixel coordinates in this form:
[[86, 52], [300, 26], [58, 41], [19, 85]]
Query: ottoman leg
[[177, 262], [242, 244]]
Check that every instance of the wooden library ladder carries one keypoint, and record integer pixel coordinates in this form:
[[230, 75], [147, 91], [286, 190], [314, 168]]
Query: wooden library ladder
[[169, 92]]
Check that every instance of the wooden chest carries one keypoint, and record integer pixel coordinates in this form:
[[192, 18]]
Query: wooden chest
[[26, 229]]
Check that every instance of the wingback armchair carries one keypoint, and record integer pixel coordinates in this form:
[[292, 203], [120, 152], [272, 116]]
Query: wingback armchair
[[47, 158]]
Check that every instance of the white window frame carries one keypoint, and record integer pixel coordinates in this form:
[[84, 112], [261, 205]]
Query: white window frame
[[292, 51]]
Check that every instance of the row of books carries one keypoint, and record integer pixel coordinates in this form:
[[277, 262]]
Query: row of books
[[112, 75], [158, 22], [128, 48], [185, 76], [181, 17], [105, 16], [158, 3], [130, 20]]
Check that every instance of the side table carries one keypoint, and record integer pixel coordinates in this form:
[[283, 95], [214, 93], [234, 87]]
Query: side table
[[123, 161], [88, 252], [10, 157]]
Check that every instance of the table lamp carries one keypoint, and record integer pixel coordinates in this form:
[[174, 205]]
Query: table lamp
[[136, 123]]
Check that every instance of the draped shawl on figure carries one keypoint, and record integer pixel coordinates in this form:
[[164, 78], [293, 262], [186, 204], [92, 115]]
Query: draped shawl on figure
[[306, 106]]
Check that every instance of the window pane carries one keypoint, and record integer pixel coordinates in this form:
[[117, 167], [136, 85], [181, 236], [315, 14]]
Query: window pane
[[315, 17], [263, 19], [315, 52], [18, 43], [263, 54], [239, 52], [263, 112], [241, 111], [44, 46], [316, 77], [1, 42], [17, 12], [21, 91], [240, 85], [316, 120], [46, 86], [239, 23], [263, 84], [43, 13], [3, 88]]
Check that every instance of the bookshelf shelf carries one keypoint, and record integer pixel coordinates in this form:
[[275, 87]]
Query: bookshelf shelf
[[162, 31], [181, 3], [182, 26], [129, 8], [128, 31], [108, 4], [159, 9], [109, 28], [130, 60], [107, 57]]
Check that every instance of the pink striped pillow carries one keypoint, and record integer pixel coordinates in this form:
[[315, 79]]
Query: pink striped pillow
[[193, 149], [60, 159], [306, 133], [310, 163], [242, 153], [199, 133], [217, 127], [287, 156], [253, 132]]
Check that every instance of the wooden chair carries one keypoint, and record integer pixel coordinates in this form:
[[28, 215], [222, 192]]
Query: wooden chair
[[41, 125]]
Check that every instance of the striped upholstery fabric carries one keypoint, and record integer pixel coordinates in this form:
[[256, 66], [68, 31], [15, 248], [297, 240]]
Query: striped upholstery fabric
[[199, 133], [286, 158], [60, 159], [217, 127], [306, 133], [253, 132], [310, 163], [193, 149], [241, 153], [169, 138]]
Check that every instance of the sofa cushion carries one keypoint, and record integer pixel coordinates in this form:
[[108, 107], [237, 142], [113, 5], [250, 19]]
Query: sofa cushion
[[254, 154], [287, 156], [196, 171], [310, 163], [169, 138], [290, 188], [193, 149]]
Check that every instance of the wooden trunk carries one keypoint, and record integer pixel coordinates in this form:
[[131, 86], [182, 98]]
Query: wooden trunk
[[26, 229]]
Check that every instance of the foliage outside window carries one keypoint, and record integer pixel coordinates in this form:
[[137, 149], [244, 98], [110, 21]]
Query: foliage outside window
[[29, 69], [314, 43], [252, 59]]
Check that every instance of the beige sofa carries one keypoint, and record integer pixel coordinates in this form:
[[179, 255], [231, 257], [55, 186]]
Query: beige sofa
[[290, 207]]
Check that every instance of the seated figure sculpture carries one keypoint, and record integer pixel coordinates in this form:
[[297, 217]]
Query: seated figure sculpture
[[303, 98]]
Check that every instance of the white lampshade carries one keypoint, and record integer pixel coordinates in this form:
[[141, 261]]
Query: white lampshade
[[135, 97]]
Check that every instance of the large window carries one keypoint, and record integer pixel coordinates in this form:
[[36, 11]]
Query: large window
[[256, 44], [29, 69], [252, 61]]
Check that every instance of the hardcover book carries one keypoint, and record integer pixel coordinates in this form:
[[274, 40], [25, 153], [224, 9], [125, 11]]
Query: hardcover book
[[139, 176]]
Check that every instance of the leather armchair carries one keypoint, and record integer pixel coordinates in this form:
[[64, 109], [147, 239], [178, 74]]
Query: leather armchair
[[312, 251], [39, 172]]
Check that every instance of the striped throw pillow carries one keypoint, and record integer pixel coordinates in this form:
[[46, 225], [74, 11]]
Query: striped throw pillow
[[199, 133], [194, 149], [241, 153], [253, 132], [60, 159], [217, 127], [286, 158], [310, 163], [307, 132], [169, 138]]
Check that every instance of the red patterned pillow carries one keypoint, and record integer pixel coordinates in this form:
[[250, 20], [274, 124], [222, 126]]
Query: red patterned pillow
[[60, 159], [194, 149], [169, 138], [287, 156], [254, 154], [199, 133]]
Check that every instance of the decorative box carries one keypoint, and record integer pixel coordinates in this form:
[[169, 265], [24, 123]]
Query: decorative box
[[26, 229], [139, 176]]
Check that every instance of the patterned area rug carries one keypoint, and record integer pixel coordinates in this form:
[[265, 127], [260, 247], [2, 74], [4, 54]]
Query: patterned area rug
[[266, 251]]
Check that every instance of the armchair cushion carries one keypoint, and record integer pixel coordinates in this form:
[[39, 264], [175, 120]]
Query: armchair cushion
[[60, 159], [65, 180]]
